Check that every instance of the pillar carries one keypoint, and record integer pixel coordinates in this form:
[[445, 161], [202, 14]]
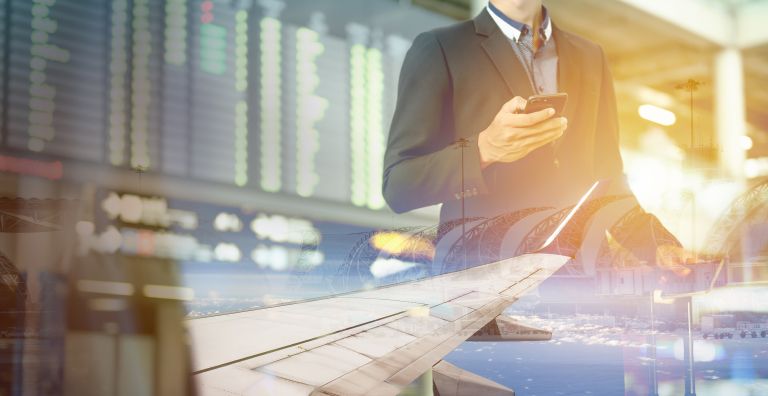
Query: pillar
[[688, 353], [730, 110]]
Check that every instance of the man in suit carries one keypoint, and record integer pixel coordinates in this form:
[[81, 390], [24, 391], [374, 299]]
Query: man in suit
[[469, 80]]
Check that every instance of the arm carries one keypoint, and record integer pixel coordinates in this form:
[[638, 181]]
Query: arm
[[420, 167], [607, 161]]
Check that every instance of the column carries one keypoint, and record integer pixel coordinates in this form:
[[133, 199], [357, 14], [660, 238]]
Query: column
[[730, 110]]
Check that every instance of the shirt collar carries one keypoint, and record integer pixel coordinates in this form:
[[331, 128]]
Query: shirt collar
[[512, 28]]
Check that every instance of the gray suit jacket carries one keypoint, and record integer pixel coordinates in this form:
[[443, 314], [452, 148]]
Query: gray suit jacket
[[453, 82]]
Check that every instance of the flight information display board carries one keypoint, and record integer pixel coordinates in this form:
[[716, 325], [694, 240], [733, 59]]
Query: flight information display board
[[285, 97], [56, 74]]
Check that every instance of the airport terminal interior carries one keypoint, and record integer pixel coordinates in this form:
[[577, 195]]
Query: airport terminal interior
[[191, 204]]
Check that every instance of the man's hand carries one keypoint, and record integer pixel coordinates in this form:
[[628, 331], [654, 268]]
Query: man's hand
[[512, 136]]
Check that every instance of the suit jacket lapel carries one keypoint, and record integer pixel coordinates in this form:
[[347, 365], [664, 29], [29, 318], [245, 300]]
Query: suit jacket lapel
[[497, 46], [569, 75]]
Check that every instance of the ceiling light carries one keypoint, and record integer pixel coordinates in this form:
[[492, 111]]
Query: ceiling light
[[745, 142], [657, 114]]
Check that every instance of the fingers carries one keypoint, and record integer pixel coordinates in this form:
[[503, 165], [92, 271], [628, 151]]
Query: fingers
[[524, 120], [553, 123], [542, 138], [525, 145], [514, 106], [530, 143], [537, 141], [541, 127]]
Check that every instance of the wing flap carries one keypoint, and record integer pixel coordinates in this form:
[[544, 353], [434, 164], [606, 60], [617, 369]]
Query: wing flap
[[504, 329], [417, 326], [475, 299], [376, 342], [453, 381], [317, 366], [383, 389], [423, 363]]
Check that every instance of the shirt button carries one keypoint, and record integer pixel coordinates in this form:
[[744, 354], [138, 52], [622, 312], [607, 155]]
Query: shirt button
[[557, 163], [541, 89]]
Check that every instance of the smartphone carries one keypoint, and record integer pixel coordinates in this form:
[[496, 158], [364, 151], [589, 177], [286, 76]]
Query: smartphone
[[540, 102]]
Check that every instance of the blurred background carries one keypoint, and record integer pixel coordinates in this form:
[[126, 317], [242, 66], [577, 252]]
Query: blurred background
[[163, 159]]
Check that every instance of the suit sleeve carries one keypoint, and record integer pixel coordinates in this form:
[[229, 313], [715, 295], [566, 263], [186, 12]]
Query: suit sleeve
[[421, 168], [607, 161]]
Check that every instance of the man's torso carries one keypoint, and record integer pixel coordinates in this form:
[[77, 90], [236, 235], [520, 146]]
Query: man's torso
[[484, 76]]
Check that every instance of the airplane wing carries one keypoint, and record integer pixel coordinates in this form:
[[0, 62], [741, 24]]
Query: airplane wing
[[373, 342]]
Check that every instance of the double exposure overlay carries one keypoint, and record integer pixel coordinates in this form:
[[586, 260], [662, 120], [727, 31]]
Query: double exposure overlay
[[383, 197]]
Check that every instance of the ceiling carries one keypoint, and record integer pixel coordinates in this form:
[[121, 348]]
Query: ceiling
[[649, 56]]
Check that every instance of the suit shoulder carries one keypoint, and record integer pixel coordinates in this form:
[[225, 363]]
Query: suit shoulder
[[454, 32], [443, 41], [585, 45]]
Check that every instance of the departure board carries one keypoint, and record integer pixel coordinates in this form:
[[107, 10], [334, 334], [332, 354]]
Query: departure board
[[285, 97], [3, 76], [56, 77]]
